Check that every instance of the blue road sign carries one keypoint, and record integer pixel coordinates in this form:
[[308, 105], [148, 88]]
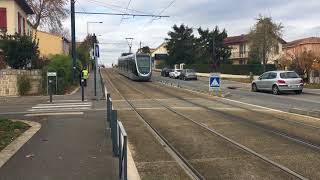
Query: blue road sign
[[214, 82]]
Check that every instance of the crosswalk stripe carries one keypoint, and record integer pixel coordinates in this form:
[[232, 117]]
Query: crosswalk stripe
[[55, 109], [61, 107], [84, 103], [54, 114]]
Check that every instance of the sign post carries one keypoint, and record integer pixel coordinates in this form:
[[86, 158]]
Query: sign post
[[214, 83], [50, 76], [82, 89]]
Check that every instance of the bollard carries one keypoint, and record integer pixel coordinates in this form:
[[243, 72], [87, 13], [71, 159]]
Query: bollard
[[50, 90], [82, 90]]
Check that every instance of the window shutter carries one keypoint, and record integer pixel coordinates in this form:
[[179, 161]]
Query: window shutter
[[19, 23], [24, 26], [3, 19]]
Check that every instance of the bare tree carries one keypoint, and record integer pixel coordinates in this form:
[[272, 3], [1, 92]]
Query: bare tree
[[303, 62], [48, 13], [61, 32], [264, 38]]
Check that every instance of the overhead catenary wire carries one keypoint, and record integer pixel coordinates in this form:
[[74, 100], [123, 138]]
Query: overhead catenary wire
[[126, 10], [164, 9], [120, 14], [108, 5]]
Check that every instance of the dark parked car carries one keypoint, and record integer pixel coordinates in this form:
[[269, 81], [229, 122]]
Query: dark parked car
[[188, 74], [165, 72]]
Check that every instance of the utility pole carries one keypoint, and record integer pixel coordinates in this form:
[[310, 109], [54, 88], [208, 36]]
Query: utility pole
[[140, 46], [73, 43], [94, 41]]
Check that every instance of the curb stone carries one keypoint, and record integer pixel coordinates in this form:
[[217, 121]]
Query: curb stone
[[14, 146]]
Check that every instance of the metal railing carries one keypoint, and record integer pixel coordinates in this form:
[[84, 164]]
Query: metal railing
[[119, 138]]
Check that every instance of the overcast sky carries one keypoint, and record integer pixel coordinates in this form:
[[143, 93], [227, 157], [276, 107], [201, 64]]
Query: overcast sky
[[301, 18]]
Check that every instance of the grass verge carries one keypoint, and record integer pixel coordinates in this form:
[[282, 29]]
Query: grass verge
[[9, 131], [312, 86]]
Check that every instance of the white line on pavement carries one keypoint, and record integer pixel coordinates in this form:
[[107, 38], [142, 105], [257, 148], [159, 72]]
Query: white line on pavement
[[54, 114], [57, 109], [67, 106], [84, 103]]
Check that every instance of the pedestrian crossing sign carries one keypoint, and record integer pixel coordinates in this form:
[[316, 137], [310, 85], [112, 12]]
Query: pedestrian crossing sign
[[214, 82]]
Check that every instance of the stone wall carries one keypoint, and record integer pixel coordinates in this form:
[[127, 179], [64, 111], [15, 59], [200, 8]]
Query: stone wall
[[8, 81]]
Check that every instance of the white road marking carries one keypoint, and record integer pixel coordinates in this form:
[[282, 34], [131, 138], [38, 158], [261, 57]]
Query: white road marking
[[55, 114], [60, 106], [55, 109], [79, 103]]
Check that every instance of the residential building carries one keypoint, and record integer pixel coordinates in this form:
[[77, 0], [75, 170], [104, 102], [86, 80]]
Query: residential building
[[240, 48], [295, 48], [160, 54], [13, 17], [51, 44], [300, 45]]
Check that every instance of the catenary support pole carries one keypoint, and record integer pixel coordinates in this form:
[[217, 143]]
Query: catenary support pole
[[73, 43], [95, 64]]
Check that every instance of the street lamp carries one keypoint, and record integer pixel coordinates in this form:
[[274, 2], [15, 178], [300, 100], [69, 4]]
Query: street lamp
[[92, 22]]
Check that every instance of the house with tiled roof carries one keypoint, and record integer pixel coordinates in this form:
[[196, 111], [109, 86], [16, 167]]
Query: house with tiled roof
[[240, 48], [13, 17], [296, 47], [159, 54]]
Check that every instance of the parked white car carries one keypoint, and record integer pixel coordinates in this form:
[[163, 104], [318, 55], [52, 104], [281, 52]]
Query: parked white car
[[175, 74], [278, 81]]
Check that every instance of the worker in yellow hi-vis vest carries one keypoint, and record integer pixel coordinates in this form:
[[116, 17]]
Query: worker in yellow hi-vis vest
[[85, 76]]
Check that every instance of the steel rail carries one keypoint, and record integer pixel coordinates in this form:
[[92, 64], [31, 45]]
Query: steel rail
[[283, 168], [185, 165]]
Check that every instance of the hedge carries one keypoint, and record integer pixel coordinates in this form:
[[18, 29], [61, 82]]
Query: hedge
[[243, 69]]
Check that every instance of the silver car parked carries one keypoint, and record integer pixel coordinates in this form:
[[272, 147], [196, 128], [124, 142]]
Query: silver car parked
[[278, 81]]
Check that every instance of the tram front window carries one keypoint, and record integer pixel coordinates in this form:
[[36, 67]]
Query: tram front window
[[144, 64]]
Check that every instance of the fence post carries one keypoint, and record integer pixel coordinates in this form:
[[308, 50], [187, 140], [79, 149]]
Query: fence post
[[125, 158], [114, 132], [108, 107], [120, 156]]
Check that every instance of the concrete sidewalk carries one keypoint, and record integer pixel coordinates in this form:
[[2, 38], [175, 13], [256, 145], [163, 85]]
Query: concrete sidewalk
[[67, 146]]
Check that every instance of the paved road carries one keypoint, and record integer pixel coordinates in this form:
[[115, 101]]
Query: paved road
[[71, 144], [309, 100]]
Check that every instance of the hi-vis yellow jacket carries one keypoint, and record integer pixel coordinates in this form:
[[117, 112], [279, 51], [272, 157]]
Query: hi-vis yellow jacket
[[85, 74]]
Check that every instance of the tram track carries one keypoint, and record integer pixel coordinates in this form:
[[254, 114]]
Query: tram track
[[307, 143], [311, 143], [185, 165], [203, 126]]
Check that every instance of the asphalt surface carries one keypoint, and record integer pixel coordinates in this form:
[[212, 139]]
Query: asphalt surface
[[68, 146], [272, 134], [308, 101]]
